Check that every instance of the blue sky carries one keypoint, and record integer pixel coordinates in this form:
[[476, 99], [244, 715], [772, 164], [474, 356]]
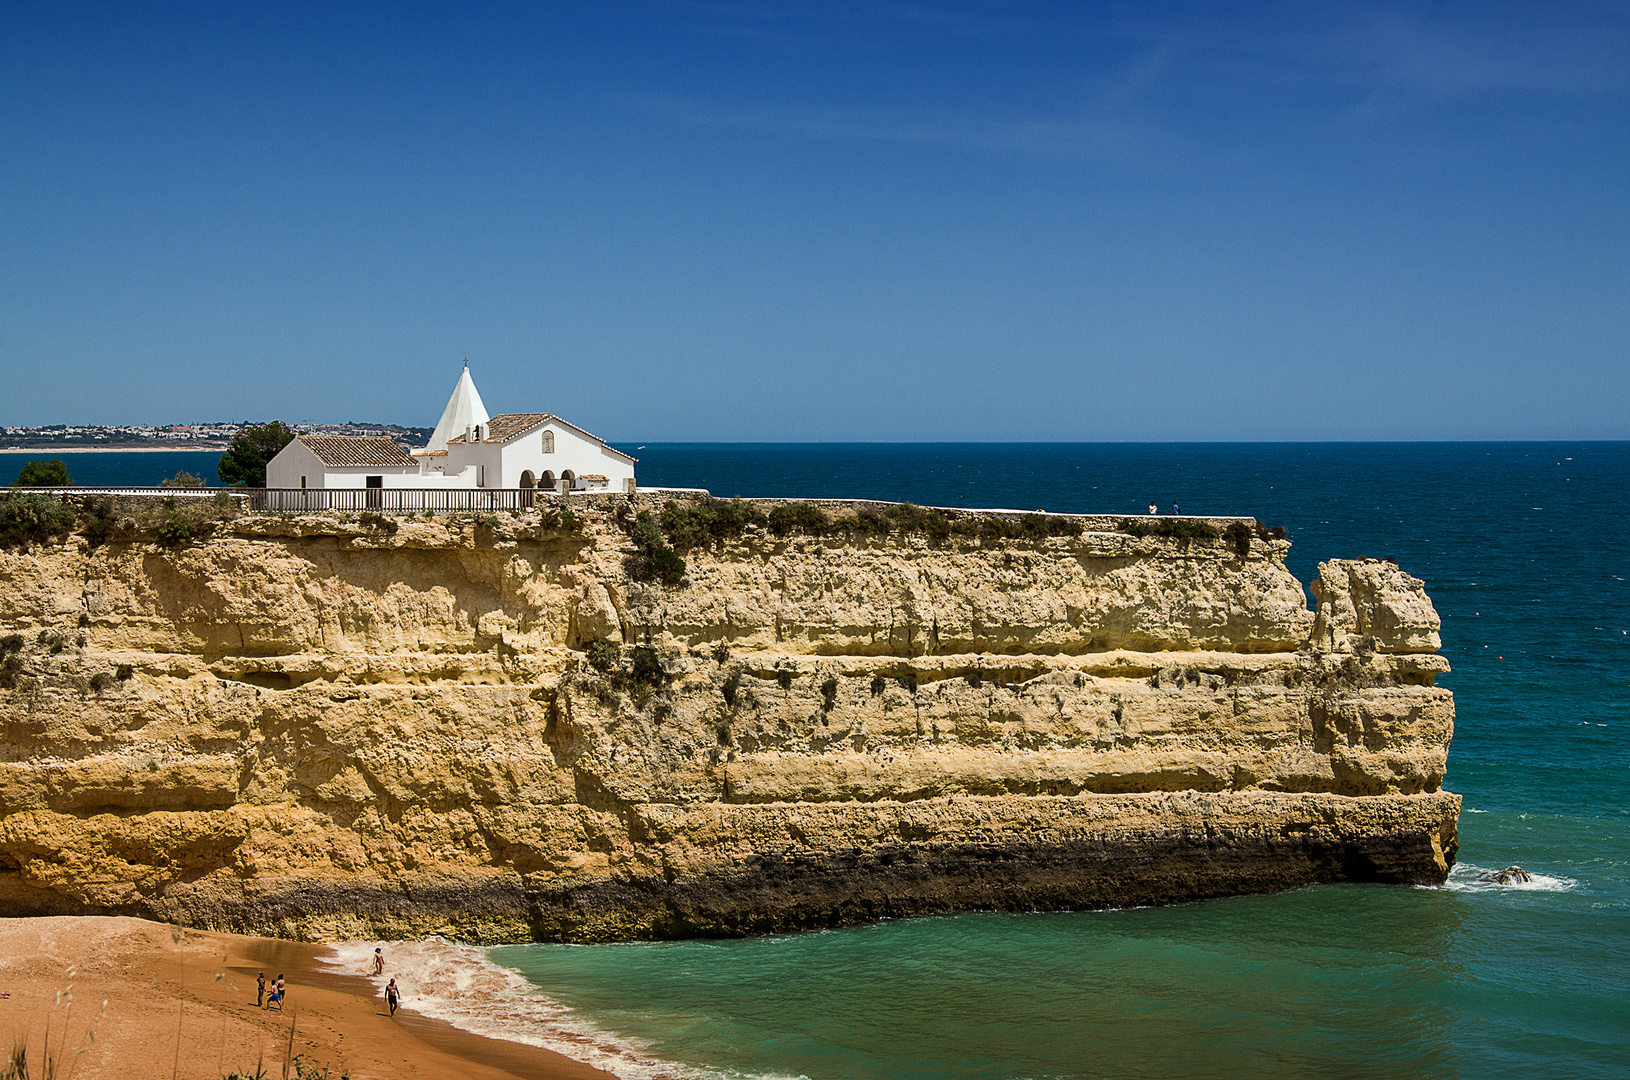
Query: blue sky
[[813, 221]]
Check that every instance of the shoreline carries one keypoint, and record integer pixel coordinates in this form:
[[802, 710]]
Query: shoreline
[[41, 450], [164, 1000]]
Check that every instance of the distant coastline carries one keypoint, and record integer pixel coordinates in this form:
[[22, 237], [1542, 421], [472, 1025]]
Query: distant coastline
[[221, 448]]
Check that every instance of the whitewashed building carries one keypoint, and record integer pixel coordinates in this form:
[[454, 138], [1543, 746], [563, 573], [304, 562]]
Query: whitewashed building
[[468, 449]]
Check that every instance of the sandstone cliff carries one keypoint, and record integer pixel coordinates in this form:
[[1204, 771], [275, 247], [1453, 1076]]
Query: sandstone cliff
[[314, 727]]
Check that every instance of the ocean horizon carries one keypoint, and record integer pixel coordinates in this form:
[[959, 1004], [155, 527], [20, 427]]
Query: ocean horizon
[[1524, 550]]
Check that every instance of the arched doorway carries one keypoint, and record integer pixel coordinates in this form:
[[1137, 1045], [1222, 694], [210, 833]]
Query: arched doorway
[[568, 478], [527, 484], [546, 481]]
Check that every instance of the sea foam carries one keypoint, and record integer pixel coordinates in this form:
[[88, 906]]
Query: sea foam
[[457, 983], [1464, 878]]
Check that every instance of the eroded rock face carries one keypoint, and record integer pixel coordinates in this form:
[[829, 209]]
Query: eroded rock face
[[329, 730], [1370, 603]]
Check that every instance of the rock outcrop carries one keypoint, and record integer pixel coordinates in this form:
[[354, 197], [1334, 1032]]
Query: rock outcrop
[[314, 727]]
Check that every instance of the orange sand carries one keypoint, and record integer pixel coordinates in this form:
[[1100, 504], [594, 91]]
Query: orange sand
[[185, 1010]]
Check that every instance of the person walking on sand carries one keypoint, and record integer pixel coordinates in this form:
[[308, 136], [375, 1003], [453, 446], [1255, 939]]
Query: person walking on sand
[[260, 990], [392, 996], [379, 961], [277, 995]]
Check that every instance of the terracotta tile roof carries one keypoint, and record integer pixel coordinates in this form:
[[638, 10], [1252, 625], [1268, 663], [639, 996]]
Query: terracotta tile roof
[[509, 426], [596, 477], [428, 453], [501, 429], [356, 450]]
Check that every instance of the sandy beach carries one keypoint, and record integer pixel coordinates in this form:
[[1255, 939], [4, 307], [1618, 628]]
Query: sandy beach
[[146, 1000]]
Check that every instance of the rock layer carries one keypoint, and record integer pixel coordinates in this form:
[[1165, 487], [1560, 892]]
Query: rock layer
[[330, 728]]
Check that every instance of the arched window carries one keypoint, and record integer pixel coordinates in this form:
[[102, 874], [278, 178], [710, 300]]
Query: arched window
[[548, 442]]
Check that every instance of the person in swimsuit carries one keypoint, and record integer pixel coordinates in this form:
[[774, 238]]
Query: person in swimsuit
[[392, 997], [379, 961], [260, 991]]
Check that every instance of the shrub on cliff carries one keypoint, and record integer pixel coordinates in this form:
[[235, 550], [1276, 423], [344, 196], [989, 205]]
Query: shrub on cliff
[[653, 559], [648, 669], [602, 655], [798, 517], [32, 518], [99, 523], [244, 463], [44, 474], [705, 524], [177, 528], [182, 479], [1238, 534], [174, 521]]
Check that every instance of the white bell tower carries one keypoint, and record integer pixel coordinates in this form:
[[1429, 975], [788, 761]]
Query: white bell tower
[[463, 413]]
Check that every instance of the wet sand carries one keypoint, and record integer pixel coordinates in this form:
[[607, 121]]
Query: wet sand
[[186, 1009]]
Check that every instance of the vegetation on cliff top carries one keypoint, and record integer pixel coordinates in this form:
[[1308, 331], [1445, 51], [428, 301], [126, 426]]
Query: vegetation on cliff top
[[706, 524], [32, 518], [1237, 533]]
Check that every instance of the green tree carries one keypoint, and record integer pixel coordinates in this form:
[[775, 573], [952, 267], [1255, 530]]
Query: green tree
[[51, 473], [184, 479], [244, 463]]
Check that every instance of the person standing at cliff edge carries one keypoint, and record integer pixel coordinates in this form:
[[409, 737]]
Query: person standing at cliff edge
[[1154, 508], [1175, 510]]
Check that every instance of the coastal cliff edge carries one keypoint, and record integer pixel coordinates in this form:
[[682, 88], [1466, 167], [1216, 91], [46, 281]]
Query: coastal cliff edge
[[505, 729]]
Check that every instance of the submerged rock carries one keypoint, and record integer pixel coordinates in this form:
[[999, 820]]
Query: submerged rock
[[1511, 875]]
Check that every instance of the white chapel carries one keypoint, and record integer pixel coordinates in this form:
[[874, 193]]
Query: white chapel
[[468, 449]]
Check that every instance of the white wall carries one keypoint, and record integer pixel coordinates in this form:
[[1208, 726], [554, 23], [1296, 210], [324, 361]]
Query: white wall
[[573, 452], [462, 465], [292, 462], [394, 476]]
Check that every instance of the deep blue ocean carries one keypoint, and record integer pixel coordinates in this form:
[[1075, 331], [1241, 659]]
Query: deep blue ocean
[[1525, 549]]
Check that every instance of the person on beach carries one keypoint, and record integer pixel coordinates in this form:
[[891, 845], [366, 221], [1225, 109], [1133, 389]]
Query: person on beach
[[392, 996], [379, 961], [277, 995], [260, 991]]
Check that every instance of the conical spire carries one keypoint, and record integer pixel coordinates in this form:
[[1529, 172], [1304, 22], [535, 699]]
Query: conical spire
[[464, 411]]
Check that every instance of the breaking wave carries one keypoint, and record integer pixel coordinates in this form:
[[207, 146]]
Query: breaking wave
[[458, 984], [1464, 878]]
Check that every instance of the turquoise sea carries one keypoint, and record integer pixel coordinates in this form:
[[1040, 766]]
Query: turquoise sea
[[1525, 548]]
